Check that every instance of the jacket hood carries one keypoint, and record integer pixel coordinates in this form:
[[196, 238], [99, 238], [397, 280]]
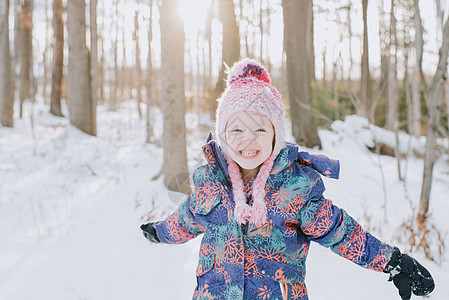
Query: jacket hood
[[322, 164], [289, 154]]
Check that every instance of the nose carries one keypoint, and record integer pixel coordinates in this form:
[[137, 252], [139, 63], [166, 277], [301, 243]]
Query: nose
[[249, 138]]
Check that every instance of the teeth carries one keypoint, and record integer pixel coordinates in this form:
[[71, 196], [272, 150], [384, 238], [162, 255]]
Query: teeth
[[249, 153]]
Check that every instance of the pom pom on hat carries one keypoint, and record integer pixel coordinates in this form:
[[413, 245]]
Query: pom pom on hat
[[247, 68], [249, 89]]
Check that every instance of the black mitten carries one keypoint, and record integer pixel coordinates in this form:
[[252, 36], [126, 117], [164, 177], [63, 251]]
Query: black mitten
[[408, 275], [149, 231]]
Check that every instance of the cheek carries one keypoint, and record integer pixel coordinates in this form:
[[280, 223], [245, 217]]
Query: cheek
[[266, 142], [232, 143], [231, 140]]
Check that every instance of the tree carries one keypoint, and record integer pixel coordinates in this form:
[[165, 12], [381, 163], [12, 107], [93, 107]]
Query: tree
[[261, 29], [174, 168], [208, 61], [58, 60], [15, 54], [365, 108], [392, 101], [149, 80], [113, 94], [383, 39], [406, 51], [124, 90], [25, 52], [350, 36], [138, 68], [415, 122], [299, 79], [93, 60], [101, 69], [310, 43], [230, 47], [433, 104], [6, 96], [82, 109], [47, 50]]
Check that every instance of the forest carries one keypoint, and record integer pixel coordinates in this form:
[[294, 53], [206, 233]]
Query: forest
[[104, 66]]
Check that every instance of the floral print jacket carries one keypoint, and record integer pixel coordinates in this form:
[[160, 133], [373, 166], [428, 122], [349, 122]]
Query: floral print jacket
[[267, 261]]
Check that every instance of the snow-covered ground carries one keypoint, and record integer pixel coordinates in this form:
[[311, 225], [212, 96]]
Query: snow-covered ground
[[71, 206]]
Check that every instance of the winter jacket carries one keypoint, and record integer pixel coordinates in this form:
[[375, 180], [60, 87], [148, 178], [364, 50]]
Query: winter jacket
[[267, 261]]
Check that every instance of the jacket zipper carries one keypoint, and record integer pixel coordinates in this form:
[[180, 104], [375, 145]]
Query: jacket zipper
[[244, 228], [284, 290]]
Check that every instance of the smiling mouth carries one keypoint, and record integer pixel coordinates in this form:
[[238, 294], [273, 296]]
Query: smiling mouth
[[248, 154]]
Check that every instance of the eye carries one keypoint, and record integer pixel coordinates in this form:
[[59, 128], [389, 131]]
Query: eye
[[261, 130], [236, 130]]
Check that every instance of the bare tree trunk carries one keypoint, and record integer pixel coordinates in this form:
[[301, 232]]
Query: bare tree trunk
[[418, 75], [309, 41], [174, 169], [82, 109], [434, 103], [446, 94], [16, 52], [283, 80], [138, 67], [383, 48], [206, 67], [298, 68], [199, 47], [245, 18], [58, 60], [415, 107], [392, 102], [365, 108], [190, 76], [149, 80], [407, 29], [124, 77], [407, 89], [335, 93], [6, 95], [405, 43], [268, 34], [94, 52], [114, 88], [252, 46], [208, 83], [101, 72], [323, 55], [25, 47], [351, 59], [101, 57], [138, 70], [230, 47], [261, 29], [48, 48]]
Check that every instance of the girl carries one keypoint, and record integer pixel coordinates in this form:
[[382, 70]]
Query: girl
[[259, 203]]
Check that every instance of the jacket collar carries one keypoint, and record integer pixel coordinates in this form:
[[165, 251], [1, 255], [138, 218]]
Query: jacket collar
[[214, 156], [289, 154], [322, 164]]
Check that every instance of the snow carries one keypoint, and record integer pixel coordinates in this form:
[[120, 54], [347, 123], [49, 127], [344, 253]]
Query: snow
[[71, 206]]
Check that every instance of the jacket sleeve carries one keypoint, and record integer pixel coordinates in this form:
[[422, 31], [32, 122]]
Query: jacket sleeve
[[332, 227], [181, 226]]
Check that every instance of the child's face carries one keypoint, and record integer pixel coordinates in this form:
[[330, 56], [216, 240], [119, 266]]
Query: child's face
[[249, 139]]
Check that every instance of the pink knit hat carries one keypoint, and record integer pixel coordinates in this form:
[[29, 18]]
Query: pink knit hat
[[249, 89]]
